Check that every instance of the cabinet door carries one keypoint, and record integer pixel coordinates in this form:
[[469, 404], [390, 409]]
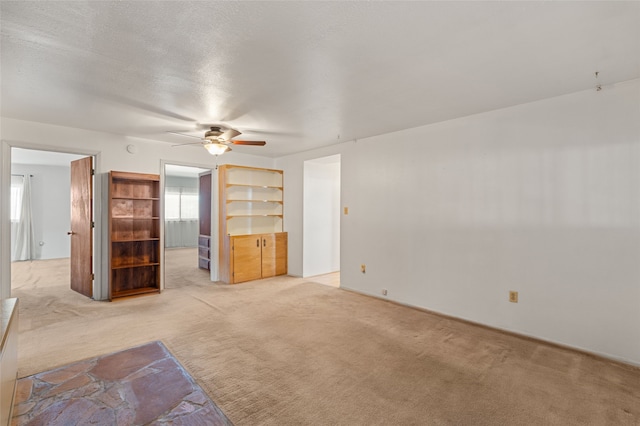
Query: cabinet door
[[269, 254], [281, 253], [247, 259]]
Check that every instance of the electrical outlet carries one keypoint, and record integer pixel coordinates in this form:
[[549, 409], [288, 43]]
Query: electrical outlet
[[363, 268], [384, 291], [513, 296]]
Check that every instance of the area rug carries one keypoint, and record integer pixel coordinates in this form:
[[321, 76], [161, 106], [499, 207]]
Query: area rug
[[137, 386]]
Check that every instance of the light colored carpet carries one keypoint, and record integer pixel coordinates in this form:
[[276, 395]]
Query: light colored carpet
[[284, 351]]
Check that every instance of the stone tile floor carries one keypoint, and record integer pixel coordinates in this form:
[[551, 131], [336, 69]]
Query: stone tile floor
[[144, 385]]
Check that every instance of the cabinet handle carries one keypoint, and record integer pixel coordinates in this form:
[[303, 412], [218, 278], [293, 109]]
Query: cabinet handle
[[258, 242], [264, 242]]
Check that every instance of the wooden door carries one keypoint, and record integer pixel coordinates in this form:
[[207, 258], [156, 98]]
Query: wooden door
[[81, 230], [281, 253], [247, 259], [204, 204], [269, 252], [204, 220]]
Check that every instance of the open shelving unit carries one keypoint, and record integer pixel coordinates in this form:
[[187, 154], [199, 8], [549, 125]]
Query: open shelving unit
[[134, 232], [251, 217], [253, 199]]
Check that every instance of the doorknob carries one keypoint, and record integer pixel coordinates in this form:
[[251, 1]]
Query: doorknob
[[71, 233]]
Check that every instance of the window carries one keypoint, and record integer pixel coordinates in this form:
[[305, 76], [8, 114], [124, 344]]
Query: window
[[189, 205], [17, 186], [172, 204], [181, 204]]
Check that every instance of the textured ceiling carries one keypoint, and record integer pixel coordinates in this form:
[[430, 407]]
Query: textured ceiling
[[301, 75]]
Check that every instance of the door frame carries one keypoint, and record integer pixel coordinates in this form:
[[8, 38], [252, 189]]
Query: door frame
[[5, 219], [214, 265]]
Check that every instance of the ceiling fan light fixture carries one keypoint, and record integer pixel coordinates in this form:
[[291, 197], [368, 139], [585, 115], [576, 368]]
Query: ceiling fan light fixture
[[216, 148], [213, 134]]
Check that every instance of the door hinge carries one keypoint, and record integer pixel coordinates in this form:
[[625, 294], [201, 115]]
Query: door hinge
[[93, 277], [93, 172], [93, 224]]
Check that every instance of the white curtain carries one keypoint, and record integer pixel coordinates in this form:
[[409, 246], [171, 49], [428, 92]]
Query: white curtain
[[181, 217], [181, 233], [24, 242]]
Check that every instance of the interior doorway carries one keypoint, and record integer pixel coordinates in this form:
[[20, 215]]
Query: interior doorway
[[321, 219], [182, 217], [40, 218]]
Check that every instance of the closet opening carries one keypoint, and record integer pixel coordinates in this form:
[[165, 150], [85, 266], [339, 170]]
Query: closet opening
[[321, 220]]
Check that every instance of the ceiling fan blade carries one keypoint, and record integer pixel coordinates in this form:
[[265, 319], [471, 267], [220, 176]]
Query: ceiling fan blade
[[184, 134], [189, 143], [229, 134], [254, 143]]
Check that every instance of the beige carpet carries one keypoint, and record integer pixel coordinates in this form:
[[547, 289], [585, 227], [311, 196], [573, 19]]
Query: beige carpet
[[285, 351]]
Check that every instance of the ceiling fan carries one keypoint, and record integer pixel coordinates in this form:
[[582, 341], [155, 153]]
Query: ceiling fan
[[217, 140]]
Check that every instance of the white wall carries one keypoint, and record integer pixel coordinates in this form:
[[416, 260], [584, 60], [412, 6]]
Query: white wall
[[541, 198], [111, 154], [321, 245], [182, 182], [50, 198]]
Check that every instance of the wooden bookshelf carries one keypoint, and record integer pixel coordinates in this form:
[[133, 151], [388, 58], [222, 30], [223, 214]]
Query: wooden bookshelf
[[134, 233]]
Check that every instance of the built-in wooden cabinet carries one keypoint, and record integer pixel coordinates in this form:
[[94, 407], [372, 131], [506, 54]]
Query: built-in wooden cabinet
[[134, 233], [246, 258], [252, 242], [258, 256]]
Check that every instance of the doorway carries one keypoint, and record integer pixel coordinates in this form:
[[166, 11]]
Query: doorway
[[321, 220], [40, 219], [182, 217]]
